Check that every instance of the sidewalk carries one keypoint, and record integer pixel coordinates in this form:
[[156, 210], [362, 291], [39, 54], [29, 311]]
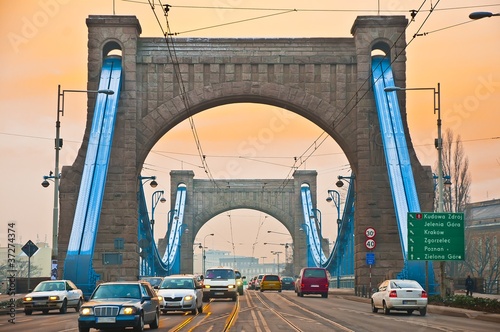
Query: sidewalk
[[348, 293]]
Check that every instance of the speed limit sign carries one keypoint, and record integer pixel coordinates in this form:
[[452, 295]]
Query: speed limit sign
[[370, 232], [370, 244]]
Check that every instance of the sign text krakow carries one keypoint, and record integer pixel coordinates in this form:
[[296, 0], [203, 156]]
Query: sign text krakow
[[436, 236]]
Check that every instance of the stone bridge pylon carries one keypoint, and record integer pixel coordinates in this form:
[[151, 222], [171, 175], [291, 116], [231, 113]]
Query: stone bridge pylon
[[326, 80]]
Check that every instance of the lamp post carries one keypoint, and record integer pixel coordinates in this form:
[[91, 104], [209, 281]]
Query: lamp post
[[56, 175], [439, 142], [439, 146], [204, 252], [277, 253], [334, 196], [318, 220], [264, 263], [200, 246], [156, 197], [286, 245]]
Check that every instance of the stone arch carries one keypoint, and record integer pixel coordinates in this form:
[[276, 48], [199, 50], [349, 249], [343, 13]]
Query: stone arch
[[170, 113]]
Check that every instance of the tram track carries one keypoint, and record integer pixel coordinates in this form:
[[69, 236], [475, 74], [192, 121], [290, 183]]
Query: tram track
[[292, 320]]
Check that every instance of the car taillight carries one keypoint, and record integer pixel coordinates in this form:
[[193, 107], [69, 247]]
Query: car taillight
[[393, 294], [424, 294]]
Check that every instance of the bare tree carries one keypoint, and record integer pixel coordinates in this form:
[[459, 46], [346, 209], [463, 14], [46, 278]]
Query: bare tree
[[456, 166], [21, 270], [482, 260]]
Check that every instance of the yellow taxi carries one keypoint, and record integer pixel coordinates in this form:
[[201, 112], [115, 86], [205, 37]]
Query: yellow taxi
[[270, 282]]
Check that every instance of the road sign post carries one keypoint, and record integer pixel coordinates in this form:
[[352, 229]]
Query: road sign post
[[29, 249], [436, 236]]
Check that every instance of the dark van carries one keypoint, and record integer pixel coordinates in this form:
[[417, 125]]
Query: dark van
[[312, 280]]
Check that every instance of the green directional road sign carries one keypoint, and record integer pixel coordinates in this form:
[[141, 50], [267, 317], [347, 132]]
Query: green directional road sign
[[436, 236]]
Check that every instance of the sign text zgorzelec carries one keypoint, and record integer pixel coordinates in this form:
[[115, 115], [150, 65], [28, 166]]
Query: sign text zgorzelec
[[436, 236]]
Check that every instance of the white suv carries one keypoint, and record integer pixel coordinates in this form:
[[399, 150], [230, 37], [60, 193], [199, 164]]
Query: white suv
[[219, 282]]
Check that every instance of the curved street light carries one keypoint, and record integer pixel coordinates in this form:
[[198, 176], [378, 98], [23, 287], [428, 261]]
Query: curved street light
[[204, 252], [334, 196], [156, 197], [439, 141], [56, 176], [440, 176]]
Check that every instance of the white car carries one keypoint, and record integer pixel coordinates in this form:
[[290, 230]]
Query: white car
[[53, 295], [181, 293], [399, 294]]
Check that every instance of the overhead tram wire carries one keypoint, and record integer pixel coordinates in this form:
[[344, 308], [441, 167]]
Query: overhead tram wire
[[333, 122], [336, 121], [316, 9], [175, 63]]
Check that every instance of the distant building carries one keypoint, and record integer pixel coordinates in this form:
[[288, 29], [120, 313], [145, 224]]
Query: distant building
[[482, 231], [248, 266], [40, 262]]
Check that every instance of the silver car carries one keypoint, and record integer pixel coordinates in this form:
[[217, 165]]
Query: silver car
[[402, 295], [181, 293]]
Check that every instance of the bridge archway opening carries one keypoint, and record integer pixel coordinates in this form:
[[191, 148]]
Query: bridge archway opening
[[240, 234], [249, 141]]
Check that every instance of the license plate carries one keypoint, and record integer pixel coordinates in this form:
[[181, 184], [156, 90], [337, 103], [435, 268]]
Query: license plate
[[219, 293], [409, 302], [314, 285], [172, 304], [106, 319]]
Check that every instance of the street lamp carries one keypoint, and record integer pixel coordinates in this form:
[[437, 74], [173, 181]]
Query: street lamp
[[439, 146], [480, 15], [56, 175], [156, 197], [278, 233], [439, 142], [341, 178], [277, 253], [204, 252], [334, 196], [153, 182], [286, 245]]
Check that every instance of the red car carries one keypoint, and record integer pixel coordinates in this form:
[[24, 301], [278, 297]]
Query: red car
[[313, 280]]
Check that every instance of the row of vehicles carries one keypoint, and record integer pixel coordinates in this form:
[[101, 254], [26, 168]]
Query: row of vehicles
[[139, 303]]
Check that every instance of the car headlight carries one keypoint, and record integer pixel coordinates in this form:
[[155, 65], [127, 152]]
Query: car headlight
[[53, 298], [206, 286], [230, 286], [160, 298], [188, 298], [128, 311], [86, 311], [238, 282], [27, 298]]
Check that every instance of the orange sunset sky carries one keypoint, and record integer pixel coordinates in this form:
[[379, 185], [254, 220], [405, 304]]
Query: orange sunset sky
[[44, 43]]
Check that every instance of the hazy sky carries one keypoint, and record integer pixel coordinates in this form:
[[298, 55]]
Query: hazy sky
[[44, 43]]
